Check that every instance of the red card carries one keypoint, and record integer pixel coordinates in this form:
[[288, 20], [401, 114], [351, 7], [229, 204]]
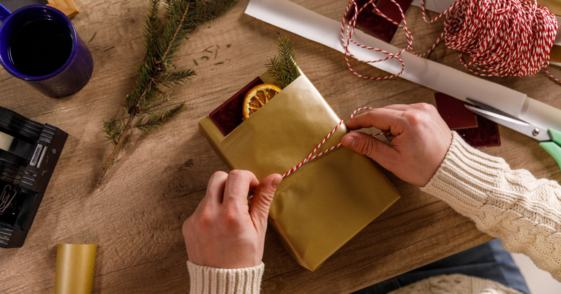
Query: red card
[[376, 25], [454, 113], [477, 131], [485, 135], [229, 115]]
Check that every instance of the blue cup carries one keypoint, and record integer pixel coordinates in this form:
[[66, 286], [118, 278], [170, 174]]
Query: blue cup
[[69, 78]]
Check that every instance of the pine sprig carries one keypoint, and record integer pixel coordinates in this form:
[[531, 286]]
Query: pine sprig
[[177, 78], [157, 120], [147, 107], [283, 66]]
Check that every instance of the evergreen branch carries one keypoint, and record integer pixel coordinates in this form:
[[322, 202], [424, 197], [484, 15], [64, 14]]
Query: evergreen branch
[[146, 105], [159, 119], [177, 78], [151, 28], [283, 66], [176, 31], [112, 131], [162, 99], [116, 149]]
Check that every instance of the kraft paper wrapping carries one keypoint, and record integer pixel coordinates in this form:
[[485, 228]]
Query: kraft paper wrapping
[[75, 268], [326, 202]]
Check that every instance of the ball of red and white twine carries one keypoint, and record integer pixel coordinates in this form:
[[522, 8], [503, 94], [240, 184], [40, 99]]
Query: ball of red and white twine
[[497, 37], [313, 155]]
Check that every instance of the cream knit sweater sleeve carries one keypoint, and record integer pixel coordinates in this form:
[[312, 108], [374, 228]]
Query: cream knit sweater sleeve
[[512, 205], [209, 280]]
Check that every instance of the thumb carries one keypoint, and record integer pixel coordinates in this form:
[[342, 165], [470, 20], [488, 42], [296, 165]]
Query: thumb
[[262, 199], [369, 146]]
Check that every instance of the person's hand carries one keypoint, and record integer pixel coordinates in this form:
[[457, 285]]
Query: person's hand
[[420, 144], [224, 232]]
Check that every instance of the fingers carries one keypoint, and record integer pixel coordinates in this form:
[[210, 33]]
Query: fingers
[[262, 200], [238, 185], [380, 118], [371, 147], [215, 188]]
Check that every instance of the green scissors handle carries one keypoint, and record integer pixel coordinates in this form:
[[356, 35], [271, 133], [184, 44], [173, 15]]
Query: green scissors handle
[[554, 146]]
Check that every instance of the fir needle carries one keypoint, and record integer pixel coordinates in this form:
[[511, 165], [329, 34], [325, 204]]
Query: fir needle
[[92, 37]]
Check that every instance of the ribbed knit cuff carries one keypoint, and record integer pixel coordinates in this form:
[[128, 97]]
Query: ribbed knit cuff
[[210, 280], [465, 177]]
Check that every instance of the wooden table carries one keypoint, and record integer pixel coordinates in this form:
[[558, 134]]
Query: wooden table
[[136, 216]]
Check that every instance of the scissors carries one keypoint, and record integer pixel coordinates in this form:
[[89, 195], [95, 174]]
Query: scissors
[[549, 139]]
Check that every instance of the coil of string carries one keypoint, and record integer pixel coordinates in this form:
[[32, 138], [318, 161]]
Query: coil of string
[[493, 37]]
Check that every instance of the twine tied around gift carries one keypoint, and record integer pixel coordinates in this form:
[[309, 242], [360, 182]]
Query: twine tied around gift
[[499, 37], [313, 155]]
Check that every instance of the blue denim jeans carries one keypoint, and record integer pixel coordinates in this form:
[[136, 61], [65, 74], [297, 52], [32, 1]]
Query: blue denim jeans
[[488, 261]]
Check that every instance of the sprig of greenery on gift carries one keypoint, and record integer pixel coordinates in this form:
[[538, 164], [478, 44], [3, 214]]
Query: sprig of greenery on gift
[[283, 66], [148, 106]]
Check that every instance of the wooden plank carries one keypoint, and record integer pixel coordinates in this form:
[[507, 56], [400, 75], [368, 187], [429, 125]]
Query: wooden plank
[[136, 216]]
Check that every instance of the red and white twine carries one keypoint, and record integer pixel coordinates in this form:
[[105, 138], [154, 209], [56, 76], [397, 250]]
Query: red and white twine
[[313, 155], [497, 37]]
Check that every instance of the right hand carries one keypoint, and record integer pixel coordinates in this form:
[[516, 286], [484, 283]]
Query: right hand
[[420, 144]]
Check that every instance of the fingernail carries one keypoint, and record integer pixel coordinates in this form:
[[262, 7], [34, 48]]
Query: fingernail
[[276, 182], [349, 141]]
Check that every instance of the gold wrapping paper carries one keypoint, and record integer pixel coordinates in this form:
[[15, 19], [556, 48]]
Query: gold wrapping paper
[[75, 268], [326, 202]]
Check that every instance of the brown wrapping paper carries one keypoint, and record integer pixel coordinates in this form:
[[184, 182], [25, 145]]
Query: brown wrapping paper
[[75, 268], [326, 202]]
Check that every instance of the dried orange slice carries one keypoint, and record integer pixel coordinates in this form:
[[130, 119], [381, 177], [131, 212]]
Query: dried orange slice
[[257, 97]]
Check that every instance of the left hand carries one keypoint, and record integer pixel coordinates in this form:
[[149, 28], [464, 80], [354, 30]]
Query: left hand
[[224, 232]]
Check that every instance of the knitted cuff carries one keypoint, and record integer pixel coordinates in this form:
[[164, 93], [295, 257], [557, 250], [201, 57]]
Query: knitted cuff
[[208, 280], [465, 177]]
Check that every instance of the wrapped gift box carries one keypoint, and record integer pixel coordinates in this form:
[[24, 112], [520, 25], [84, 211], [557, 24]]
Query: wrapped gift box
[[327, 201]]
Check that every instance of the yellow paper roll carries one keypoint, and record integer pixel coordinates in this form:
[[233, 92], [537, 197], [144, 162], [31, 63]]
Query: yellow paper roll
[[75, 268]]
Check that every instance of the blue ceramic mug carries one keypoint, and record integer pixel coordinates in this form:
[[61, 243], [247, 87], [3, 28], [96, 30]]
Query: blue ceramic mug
[[39, 44]]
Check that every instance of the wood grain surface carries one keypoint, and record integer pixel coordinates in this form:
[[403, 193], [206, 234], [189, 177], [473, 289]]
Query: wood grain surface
[[136, 216]]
